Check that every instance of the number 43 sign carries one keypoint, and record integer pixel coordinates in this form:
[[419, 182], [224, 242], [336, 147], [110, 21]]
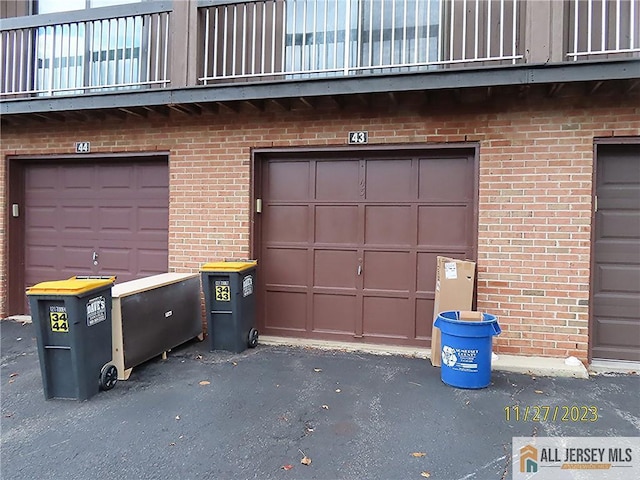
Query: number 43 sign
[[360, 137]]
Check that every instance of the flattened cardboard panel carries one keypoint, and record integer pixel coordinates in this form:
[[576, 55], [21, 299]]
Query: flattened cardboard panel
[[455, 281]]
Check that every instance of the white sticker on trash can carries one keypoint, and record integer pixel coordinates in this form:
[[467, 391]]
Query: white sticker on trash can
[[450, 271], [461, 359], [247, 286], [96, 311]]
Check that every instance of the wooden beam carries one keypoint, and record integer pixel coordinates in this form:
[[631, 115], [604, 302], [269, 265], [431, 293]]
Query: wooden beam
[[257, 105], [282, 103], [51, 116], [230, 107], [594, 87], [134, 112], [306, 102]]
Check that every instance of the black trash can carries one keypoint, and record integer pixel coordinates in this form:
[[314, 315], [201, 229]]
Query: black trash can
[[73, 326], [230, 301]]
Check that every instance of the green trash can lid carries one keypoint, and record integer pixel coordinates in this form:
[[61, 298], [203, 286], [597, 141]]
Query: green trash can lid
[[72, 286], [228, 266]]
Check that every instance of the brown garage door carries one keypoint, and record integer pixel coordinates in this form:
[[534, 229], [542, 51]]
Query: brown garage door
[[616, 273], [96, 218], [349, 245]]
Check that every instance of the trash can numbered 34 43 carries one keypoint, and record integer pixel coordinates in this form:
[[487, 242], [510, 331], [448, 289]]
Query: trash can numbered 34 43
[[230, 301]]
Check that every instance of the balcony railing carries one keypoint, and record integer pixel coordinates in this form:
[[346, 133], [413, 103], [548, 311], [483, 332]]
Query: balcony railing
[[603, 28], [224, 41], [310, 38], [91, 50]]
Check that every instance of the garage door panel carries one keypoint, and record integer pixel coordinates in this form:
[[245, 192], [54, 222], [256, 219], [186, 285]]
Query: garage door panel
[[336, 224], [335, 268], [287, 223], [388, 271], [150, 261], [387, 317], [334, 313], [76, 257], [443, 225], [118, 177], [338, 181], [389, 181], [623, 167], [426, 265], [117, 219], [286, 310], [613, 224], [80, 177], [614, 332], [152, 219], [43, 178], [619, 278], [41, 218], [288, 181], [424, 317], [616, 305], [285, 266], [77, 219], [445, 180], [388, 225]]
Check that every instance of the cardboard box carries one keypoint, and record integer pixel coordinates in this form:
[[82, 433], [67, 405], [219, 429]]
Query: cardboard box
[[455, 281]]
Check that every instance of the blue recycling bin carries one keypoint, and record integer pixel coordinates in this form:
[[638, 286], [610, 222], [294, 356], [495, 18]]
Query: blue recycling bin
[[466, 348]]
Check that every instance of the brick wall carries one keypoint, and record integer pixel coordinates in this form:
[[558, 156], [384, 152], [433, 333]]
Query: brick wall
[[536, 167]]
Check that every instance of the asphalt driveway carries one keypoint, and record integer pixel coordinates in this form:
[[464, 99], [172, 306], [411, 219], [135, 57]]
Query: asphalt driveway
[[204, 415]]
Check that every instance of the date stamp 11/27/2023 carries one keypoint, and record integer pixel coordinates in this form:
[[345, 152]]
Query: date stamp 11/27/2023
[[551, 413]]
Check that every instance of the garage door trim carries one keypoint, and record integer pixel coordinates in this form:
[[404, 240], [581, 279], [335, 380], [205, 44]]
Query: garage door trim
[[261, 156]]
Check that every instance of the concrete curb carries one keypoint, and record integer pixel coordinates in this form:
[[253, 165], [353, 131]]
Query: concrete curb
[[540, 366]]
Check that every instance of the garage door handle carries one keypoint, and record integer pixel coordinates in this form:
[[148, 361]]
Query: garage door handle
[[95, 258], [359, 270]]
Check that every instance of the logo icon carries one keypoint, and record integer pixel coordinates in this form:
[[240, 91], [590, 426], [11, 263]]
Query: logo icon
[[449, 356], [528, 459]]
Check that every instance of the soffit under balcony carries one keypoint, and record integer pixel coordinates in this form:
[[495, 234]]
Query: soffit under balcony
[[475, 88]]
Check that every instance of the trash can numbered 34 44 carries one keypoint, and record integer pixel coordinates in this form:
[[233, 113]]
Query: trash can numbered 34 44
[[466, 347], [73, 327]]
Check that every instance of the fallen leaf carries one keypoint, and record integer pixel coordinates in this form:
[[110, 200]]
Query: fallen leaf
[[317, 370], [338, 390], [204, 382], [425, 474], [538, 391], [13, 375], [418, 454], [305, 460], [177, 417], [326, 407], [286, 467]]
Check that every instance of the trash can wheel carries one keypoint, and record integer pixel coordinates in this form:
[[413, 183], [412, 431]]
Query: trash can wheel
[[108, 376], [253, 338]]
